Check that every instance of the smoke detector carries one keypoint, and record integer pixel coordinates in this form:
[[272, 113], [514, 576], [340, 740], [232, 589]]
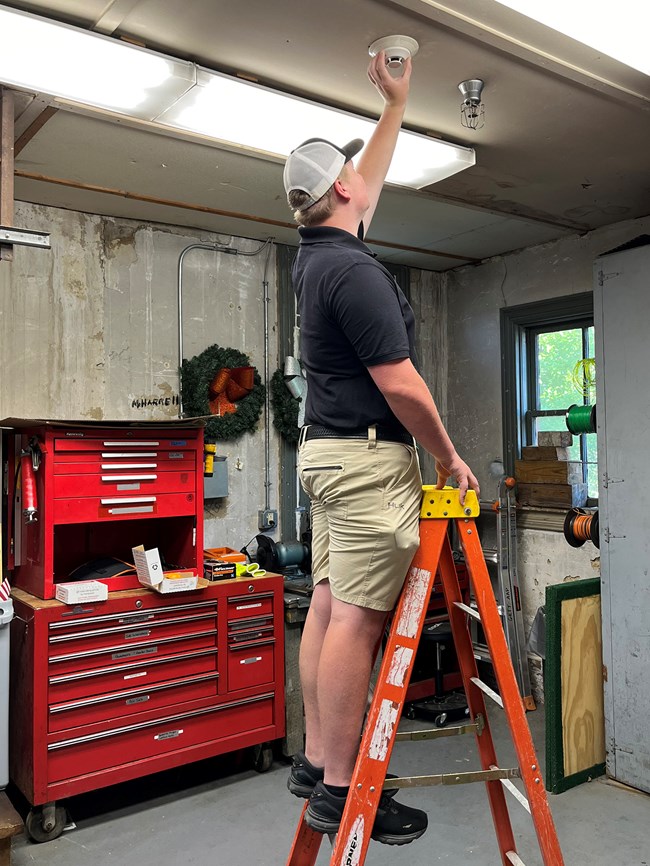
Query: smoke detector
[[396, 49]]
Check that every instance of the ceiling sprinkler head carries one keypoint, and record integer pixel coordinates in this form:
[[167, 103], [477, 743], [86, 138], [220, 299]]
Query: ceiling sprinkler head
[[472, 110], [396, 49]]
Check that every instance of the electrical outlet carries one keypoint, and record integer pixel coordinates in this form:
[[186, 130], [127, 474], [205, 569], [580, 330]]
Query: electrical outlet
[[267, 518]]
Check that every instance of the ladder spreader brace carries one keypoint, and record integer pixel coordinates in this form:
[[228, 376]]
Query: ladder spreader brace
[[434, 556]]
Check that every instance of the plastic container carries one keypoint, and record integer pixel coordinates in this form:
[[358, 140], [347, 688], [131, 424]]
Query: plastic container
[[226, 554], [6, 615]]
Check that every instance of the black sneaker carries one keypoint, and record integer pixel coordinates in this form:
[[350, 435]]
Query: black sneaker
[[303, 776], [395, 823]]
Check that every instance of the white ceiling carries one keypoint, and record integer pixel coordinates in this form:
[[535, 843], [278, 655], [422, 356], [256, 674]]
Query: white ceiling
[[564, 147]]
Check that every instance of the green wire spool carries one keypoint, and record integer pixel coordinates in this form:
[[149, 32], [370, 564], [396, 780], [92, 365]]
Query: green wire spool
[[581, 419]]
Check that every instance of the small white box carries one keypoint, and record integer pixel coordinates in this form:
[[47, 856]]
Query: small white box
[[148, 565], [81, 591]]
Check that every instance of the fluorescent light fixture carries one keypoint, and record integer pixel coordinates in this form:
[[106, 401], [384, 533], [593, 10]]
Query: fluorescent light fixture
[[240, 112], [48, 57], [619, 30], [87, 69]]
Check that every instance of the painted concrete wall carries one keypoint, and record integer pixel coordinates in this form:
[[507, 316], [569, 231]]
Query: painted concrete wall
[[88, 330], [475, 296]]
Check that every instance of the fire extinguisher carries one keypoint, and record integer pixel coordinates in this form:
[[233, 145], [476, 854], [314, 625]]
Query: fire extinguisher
[[30, 460]]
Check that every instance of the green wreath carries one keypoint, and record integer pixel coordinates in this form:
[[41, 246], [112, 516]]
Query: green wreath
[[196, 376], [285, 408]]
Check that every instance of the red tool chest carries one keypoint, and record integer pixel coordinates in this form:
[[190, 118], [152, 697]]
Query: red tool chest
[[102, 489], [109, 691]]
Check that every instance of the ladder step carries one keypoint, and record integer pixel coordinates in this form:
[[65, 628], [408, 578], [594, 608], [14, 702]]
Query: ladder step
[[494, 774], [434, 733], [514, 858], [516, 793], [470, 611], [488, 691]]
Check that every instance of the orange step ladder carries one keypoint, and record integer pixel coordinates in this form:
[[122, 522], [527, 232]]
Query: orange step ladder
[[350, 845]]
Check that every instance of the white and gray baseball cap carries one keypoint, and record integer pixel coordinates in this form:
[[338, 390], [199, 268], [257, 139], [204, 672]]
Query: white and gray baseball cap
[[314, 166]]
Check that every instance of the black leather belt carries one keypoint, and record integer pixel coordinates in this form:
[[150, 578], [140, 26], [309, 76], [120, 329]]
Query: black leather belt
[[315, 431]]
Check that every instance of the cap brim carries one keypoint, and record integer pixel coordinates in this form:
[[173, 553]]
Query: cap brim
[[352, 148]]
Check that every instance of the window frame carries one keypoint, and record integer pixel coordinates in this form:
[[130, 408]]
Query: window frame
[[520, 326]]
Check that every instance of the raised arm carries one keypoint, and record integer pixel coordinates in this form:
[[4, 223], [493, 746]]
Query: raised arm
[[408, 396], [375, 160]]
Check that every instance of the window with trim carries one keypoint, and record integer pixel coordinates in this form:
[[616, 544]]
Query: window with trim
[[541, 345]]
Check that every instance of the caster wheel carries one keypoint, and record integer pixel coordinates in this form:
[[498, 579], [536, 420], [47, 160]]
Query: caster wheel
[[43, 824], [262, 757], [410, 713], [440, 720]]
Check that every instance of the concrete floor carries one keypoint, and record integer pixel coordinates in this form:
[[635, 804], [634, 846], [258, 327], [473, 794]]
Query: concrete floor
[[221, 812]]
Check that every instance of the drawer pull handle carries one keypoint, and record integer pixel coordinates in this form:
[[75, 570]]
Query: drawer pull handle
[[248, 606], [126, 456], [129, 477], [251, 660], [129, 466], [131, 444], [134, 509], [128, 500], [247, 636]]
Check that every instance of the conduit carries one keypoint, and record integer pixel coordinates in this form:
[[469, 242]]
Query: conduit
[[233, 251]]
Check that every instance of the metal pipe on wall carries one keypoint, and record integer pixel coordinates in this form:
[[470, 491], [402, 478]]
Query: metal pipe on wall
[[233, 251]]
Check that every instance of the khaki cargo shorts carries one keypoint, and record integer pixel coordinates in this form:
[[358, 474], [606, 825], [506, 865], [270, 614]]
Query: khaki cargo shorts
[[365, 508]]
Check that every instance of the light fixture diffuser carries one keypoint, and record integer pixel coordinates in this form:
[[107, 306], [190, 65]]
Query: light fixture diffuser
[[92, 71], [48, 57], [242, 113]]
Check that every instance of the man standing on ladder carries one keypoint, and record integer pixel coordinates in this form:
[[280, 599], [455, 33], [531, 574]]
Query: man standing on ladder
[[357, 458]]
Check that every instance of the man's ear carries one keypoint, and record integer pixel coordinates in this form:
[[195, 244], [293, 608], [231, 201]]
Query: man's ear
[[341, 188]]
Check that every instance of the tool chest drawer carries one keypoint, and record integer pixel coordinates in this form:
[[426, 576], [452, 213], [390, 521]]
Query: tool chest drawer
[[129, 635], [81, 755], [119, 445], [89, 462], [115, 705], [250, 664], [246, 606], [119, 482], [111, 507], [117, 677]]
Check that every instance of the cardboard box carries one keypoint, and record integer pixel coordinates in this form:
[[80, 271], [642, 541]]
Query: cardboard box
[[179, 581], [151, 574], [81, 591], [216, 569]]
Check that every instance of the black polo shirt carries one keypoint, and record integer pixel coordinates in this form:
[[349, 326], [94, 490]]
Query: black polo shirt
[[353, 315]]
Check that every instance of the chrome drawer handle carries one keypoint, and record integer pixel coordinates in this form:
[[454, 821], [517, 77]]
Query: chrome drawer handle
[[132, 444], [127, 456], [129, 477], [128, 500], [114, 466], [251, 660]]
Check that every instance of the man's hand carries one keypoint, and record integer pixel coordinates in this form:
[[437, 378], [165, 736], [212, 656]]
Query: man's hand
[[459, 470], [394, 91]]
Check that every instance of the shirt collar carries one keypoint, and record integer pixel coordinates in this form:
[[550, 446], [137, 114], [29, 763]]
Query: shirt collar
[[310, 235]]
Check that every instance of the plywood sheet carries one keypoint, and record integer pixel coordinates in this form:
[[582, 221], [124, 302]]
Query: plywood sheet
[[583, 722]]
